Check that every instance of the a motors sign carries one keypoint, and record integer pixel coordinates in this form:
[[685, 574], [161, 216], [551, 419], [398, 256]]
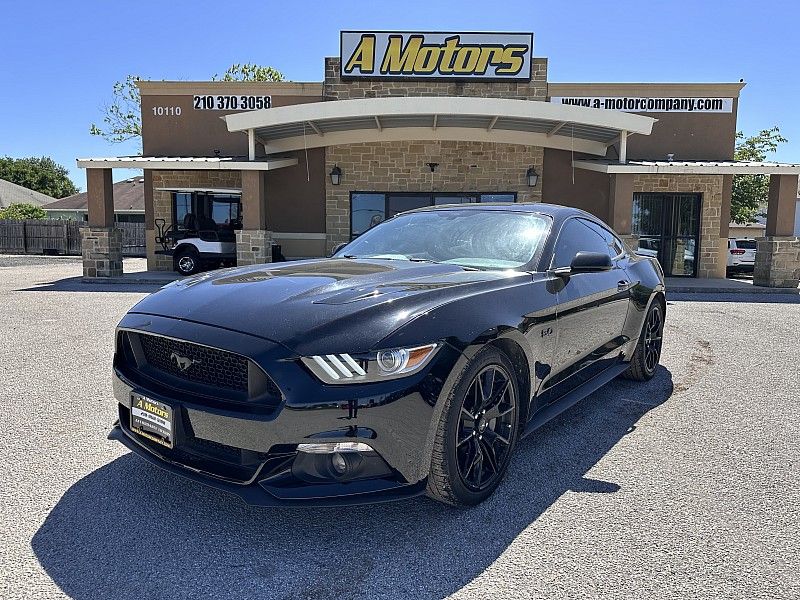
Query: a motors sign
[[429, 55]]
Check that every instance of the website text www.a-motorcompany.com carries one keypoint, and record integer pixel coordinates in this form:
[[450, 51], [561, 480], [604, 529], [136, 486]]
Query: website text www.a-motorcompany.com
[[638, 104]]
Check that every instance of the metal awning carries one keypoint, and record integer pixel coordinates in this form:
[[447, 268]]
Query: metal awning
[[458, 118], [186, 163], [691, 167]]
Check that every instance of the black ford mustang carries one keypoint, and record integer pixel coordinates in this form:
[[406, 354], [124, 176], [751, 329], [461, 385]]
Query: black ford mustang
[[410, 362]]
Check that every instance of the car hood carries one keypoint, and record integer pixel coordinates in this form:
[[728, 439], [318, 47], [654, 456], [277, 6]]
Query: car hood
[[316, 306]]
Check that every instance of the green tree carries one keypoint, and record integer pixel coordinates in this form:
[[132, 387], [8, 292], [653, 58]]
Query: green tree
[[750, 192], [41, 174], [22, 211], [122, 119], [250, 72]]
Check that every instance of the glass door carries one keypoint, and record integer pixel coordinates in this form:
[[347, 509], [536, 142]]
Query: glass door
[[668, 227]]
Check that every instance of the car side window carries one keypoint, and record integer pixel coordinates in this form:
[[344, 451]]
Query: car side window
[[614, 246], [576, 236]]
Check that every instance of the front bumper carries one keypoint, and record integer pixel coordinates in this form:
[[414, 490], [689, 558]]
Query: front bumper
[[252, 451]]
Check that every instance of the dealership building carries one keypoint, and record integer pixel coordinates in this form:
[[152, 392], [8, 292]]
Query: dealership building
[[404, 120]]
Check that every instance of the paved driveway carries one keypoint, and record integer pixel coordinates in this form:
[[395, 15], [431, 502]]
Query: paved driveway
[[686, 486]]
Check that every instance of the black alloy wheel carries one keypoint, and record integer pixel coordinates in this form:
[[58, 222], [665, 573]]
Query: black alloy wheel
[[483, 439], [653, 337], [647, 355], [477, 432]]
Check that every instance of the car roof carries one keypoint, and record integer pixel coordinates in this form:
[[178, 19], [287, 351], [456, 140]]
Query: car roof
[[556, 211]]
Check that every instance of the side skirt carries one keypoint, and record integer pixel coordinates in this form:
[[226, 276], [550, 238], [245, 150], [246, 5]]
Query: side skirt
[[571, 398]]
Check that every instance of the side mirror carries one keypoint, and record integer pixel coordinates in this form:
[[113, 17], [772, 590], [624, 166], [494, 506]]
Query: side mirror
[[338, 247], [587, 262]]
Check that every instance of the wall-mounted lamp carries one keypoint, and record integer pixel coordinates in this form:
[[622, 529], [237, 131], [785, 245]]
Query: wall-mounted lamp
[[532, 176], [336, 175], [432, 166]]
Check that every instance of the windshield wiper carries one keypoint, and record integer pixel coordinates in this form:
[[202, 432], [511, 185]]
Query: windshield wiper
[[412, 259], [437, 262]]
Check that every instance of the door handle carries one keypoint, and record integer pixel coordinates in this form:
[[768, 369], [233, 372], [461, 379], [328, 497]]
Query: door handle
[[623, 285]]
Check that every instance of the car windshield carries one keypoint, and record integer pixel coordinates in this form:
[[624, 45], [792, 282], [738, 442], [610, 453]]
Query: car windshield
[[746, 244], [481, 239]]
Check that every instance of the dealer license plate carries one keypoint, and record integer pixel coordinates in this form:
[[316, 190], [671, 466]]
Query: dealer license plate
[[152, 419]]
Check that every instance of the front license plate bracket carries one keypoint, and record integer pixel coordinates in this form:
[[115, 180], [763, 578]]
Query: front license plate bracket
[[153, 420]]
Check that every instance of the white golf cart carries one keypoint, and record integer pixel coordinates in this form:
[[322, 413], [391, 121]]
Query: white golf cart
[[203, 232]]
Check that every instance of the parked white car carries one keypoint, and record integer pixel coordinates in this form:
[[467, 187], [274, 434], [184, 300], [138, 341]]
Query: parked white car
[[741, 254]]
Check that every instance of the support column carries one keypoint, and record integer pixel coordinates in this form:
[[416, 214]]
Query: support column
[[620, 207], [778, 254], [253, 241], [101, 242], [724, 226], [149, 221]]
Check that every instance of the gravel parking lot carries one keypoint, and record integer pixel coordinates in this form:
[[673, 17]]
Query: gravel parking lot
[[686, 486]]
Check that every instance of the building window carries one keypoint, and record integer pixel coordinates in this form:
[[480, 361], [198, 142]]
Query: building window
[[397, 203], [455, 199], [498, 197], [367, 209]]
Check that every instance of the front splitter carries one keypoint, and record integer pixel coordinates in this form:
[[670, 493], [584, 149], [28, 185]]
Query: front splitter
[[256, 495]]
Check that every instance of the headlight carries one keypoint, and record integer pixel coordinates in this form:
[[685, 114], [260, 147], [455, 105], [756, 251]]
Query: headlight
[[367, 368]]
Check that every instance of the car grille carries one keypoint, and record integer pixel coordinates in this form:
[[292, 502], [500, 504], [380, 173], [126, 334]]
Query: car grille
[[196, 363], [207, 374]]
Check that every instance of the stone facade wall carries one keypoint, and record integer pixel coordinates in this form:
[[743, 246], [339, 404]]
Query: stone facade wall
[[162, 202], [400, 167], [102, 251], [253, 246], [710, 186], [335, 89], [777, 262]]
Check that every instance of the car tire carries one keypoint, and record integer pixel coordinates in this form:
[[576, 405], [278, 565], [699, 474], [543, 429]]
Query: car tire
[[648, 349], [187, 262], [472, 450]]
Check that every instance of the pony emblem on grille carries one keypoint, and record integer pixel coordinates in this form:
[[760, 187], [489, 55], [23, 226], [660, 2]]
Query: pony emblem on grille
[[183, 362]]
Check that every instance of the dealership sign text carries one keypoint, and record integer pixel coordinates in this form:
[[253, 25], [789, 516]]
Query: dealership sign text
[[393, 55], [637, 104]]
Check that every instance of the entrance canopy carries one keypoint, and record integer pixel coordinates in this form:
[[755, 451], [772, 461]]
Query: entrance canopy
[[185, 163], [691, 167], [500, 120]]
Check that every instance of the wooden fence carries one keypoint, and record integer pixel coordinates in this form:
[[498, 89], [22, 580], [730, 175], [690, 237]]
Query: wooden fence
[[59, 236]]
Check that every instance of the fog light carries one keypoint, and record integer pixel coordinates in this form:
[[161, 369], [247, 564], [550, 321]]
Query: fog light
[[338, 463], [327, 462]]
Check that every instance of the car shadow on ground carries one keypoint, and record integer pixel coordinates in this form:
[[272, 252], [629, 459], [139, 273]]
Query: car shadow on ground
[[76, 284], [130, 530]]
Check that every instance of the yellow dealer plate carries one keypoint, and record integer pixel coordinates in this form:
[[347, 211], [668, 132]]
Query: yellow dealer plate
[[152, 419]]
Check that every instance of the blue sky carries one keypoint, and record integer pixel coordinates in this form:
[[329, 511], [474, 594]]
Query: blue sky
[[60, 59]]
